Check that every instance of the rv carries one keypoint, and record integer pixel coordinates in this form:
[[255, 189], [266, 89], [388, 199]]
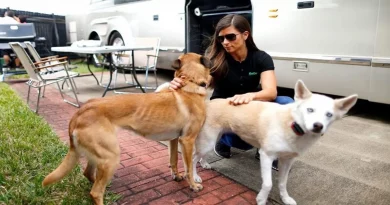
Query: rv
[[337, 47]]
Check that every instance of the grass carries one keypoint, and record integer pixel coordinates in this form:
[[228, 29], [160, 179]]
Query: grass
[[82, 68], [19, 76], [29, 150]]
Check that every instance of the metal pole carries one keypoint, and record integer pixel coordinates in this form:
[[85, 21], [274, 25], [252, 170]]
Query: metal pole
[[56, 30]]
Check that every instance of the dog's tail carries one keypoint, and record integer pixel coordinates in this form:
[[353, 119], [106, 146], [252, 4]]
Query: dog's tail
[[67, 164]]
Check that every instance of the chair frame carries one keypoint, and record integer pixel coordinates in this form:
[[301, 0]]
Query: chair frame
[[145, 68]]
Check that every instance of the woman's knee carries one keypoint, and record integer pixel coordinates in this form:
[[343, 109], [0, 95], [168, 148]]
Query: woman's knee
[[233, 140], [283, 100]]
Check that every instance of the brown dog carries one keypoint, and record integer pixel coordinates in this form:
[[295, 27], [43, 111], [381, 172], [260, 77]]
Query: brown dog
[[176, 116]]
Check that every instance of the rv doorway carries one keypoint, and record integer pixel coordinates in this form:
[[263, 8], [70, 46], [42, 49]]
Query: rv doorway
[[202, 18]]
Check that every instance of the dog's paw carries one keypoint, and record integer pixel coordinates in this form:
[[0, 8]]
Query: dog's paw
[[261, 201], [289, 201], [197, 179], [177, 177], [196, 188], [205, 165]]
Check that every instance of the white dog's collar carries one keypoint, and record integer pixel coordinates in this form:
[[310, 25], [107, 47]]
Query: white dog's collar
[[297, 129]]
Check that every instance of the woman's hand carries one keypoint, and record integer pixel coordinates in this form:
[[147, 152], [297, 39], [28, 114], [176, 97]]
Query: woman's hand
[[177, 83], [241, 99]]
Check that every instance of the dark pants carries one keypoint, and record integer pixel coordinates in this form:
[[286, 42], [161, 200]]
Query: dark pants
[[232, 140]]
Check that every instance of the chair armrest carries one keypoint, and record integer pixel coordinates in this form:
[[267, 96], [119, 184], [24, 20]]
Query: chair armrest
[[52, 65], [54, 59], [60, 58], [150, 55], [49, 57]]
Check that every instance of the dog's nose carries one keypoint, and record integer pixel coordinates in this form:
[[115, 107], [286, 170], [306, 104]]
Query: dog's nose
[[317, 127], [203, 84]]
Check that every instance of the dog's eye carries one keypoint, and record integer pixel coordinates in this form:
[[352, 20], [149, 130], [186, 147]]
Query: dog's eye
[[310, 110], [203, 84], [329, 114]]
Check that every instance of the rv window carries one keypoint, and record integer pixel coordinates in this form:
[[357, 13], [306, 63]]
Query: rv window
[[124, 1]]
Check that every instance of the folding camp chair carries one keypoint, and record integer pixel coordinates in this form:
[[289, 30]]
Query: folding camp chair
[[38, 80]]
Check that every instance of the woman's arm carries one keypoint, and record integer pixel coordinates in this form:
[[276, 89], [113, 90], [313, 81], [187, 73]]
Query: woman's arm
[[268, 92], [177, 83], [268, 84]]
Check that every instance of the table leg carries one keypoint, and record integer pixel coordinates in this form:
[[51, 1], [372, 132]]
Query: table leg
[[134, 73], [91, 71], [111, 71]]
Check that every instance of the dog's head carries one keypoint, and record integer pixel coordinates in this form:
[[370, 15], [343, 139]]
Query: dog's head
[[317, 112], [194, 67]]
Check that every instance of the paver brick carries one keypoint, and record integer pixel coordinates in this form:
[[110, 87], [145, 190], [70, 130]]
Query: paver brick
[[206, 199], [159, 154], [146, 151], [229, 191], [249, 196], [148, 185], [136, 160], [174, 198], [123, 181], [130, 170], [140, 198], [237, 200], [222, 180], [171, 186]]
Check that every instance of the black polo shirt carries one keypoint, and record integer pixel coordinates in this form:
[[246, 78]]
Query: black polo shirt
[[243, 77]]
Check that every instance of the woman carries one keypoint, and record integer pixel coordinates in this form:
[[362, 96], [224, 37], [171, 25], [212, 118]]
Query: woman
[[238, 68], [9, 18]]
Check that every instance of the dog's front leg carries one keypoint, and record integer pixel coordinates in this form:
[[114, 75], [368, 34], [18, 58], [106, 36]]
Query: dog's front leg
[[173, 155], [195, 159], [187, 143], [284, 169], [266, 175]]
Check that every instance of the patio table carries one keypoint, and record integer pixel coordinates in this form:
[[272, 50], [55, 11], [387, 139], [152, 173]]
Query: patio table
[[106, 50]]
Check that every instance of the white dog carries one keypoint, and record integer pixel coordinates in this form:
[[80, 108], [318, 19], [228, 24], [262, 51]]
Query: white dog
[[280, 131]]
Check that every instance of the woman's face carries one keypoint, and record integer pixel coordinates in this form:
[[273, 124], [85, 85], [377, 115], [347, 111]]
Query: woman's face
[[231, 39]]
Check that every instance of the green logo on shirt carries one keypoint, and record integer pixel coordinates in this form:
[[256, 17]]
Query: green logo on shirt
[[252, 73]]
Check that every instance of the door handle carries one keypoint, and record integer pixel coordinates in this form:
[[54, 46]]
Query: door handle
[[305, 5]]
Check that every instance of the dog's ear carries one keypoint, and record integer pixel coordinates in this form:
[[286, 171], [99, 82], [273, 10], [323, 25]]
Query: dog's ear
[[343, 105], [301, 91], [206, 62], [176, 64]]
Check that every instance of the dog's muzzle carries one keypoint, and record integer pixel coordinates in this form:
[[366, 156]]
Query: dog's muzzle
[[317, 127]]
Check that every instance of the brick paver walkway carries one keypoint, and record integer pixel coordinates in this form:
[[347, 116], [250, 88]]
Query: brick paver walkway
[[144, 176]]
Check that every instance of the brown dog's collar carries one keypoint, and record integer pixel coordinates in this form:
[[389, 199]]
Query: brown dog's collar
[[297, 129], [186, 81]]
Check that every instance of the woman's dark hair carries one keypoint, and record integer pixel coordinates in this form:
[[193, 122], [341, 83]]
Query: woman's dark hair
[[10, 13], [217, 53], [22, 19]]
